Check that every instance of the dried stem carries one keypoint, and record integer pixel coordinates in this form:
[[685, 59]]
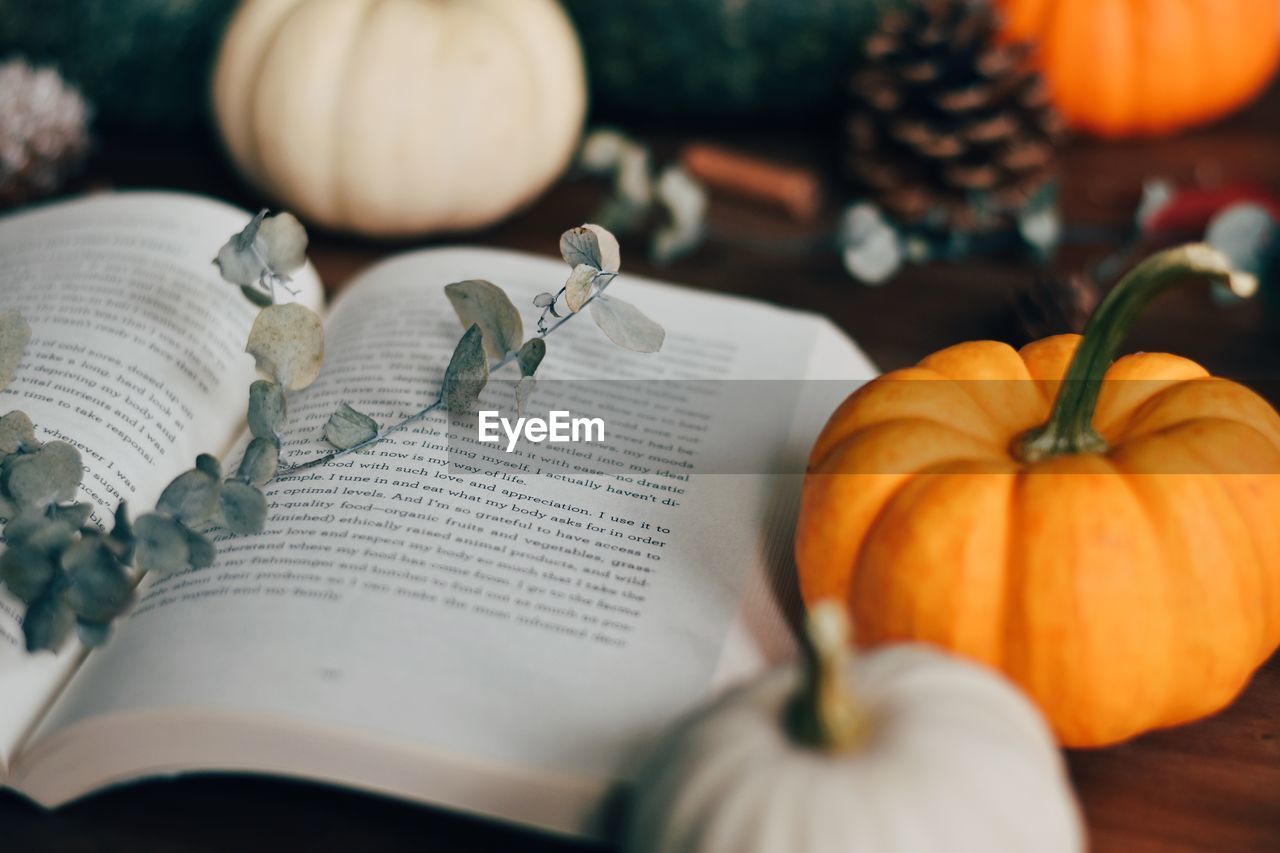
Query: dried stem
[[438, 403]]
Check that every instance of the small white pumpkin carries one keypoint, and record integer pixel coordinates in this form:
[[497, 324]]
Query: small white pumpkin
[[400, 117], [933, 754]]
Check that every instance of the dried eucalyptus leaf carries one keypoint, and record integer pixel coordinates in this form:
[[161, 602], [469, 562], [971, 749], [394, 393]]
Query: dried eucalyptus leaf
[[531, 355], [346, 428], [191, 498], [160, 544], [93, 634], [580, 246], [685, 201], [283, 241], [200, 549], [577, 290], [100, 589], [244, 508], [287, 342], [237, 261], [267, 409], [121, 540], [610, 251], [633, 182], [872, 249], [1246, 233], [75, 515], [466, 375], [209, 464], [256, 295], [260, 462], [1040, 221], [16, 433], [524, 389], [544, 299], [487, 306], [26, 571], [37, 529], [51, 473], [48, 622], [14, 336], [625, 325], [601, 150], [591, 245]]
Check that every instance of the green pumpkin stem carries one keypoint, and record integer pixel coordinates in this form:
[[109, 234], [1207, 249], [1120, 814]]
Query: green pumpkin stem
[[825, 714], [1070, 427]]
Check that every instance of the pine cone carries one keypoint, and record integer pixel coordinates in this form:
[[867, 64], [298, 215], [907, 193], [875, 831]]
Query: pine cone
[[949, 127], [44, 131], [1054, 305]]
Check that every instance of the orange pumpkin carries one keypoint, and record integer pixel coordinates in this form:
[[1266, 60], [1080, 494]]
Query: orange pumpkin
[[1111, 546], [1143, 67]]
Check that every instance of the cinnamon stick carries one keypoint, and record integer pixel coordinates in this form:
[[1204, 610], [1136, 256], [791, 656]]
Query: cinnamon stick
[[794, 189]]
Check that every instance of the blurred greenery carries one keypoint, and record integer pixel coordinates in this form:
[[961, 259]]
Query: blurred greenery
[[749, 58], [144, 63]]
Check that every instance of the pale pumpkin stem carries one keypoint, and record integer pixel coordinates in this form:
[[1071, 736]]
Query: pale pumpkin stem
[[1070, 427], [826, 714]]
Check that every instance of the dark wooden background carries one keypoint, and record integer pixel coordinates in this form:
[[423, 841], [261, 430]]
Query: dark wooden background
[[1213, 785]]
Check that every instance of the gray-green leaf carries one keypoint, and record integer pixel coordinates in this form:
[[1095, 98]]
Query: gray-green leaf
[[35, 528], [531, 355], [26, 570], [75, 515], [346, 428], [485, 304], [14, 336], [100, 589], [160, 543], [283, 241], [209, 464], [592, 245], [466, 375], [287, 342], [256, 295], [47, 623], [51, 473], [260, 462], [578, 288], [16, 433], [121, 540], [200, 550], [244, 508], [871, 248], [543, 300], [625, 325], [191, 498], [93, 634], [267, 409], [237, 261]]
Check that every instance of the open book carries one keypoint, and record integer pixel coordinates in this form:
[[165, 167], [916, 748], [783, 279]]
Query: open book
[[399, 627]]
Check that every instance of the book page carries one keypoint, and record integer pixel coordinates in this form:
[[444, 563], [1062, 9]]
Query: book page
[[136, 358], [547, 621]]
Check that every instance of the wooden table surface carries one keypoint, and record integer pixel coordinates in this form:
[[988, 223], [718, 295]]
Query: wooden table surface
[[1213, 785]]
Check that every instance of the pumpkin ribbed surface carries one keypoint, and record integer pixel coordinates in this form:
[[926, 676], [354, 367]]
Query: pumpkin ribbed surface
[[1136, 67], [1126, 590], [954, 759]]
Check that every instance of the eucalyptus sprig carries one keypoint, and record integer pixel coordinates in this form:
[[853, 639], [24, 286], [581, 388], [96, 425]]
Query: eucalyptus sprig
[[69, 572], [494, 333]]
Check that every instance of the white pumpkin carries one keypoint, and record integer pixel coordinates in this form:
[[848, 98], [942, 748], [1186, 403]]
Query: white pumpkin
[[933, 754], [400, 117]]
